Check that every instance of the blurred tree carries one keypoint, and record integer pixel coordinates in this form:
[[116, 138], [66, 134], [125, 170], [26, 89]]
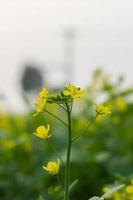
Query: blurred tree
[[32, 79]]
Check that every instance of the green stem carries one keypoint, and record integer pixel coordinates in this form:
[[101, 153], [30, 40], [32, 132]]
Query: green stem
[[54, 149], [61, 107], [83, 132], [67, 167], [59, 182], [56, 118], [71, 106]]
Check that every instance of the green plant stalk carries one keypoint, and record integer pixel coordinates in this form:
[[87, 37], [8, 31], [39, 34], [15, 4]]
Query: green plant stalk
[[67, 167], [54, 149]]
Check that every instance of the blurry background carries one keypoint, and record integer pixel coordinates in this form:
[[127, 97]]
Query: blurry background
[[52, 34], [85, 42]]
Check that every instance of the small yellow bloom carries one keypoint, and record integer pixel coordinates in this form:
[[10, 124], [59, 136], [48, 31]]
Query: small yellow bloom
[[121, 104], [102, 110], [52, 167], [129, 189], [8, 143], [105, 189], [43, 93], [40, 103], [39, 109], [132, 181], [43, 132], [73, 92], [117, 196]]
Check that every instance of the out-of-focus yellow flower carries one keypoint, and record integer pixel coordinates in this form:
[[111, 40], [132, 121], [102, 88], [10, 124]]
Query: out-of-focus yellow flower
[[52, 167], [43, 93], [132, 181], [43, 132], [117, 196], [73, 92], [124, 194], [41, 100], [112, 196], [105, 189], [103, 110], [129, 189], [8, 144], [121, 104], [40, 103]]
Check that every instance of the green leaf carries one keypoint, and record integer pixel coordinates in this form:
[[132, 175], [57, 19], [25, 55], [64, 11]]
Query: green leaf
[[73, 185], [96, 198], [112, 190], [56, 193]]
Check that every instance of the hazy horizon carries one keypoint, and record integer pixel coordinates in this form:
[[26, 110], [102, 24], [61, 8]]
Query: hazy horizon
[[32, 31]]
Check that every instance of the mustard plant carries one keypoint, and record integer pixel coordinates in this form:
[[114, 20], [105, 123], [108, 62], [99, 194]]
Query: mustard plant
[[65, 100]]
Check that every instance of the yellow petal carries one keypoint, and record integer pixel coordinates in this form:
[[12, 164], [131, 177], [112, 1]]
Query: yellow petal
[[45, 168]]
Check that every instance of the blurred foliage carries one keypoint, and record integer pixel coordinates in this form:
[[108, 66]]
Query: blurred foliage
[[125, 191], [103, 153]]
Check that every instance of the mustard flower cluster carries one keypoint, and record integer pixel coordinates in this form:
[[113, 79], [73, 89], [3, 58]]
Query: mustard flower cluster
[[73, 92], [69, 92]]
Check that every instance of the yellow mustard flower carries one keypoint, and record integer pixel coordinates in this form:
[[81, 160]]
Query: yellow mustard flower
[[43, 132], [103, 110], [7, 143], [52, 167], [117, 196], [105, 189], [43, 93], [129, 189], [73, 92], [121, 104], [41, 101]]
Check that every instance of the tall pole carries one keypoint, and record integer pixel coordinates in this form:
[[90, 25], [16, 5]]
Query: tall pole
[[69, 55]]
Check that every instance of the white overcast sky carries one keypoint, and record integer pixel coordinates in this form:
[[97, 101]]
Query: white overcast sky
[[32, 30]]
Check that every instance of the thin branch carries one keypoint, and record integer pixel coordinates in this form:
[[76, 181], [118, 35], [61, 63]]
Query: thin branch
[[56, 118], [83, 132], [55, 150], [59, 182], [61, 106], [71, 106], [68, 155]]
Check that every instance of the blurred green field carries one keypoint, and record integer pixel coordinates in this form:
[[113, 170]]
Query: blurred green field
[[101, 156]]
